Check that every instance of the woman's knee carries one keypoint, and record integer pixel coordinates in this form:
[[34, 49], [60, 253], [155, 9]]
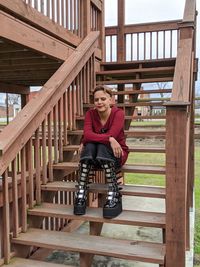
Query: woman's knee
[[89, 152]]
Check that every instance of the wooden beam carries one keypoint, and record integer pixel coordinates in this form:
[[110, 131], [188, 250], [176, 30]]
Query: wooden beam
[[145, 27], [19, 32], [121, 37], [14, 89], [28, 14]]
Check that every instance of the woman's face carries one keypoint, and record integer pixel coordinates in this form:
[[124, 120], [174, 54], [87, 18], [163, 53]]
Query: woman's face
[[102, 101]]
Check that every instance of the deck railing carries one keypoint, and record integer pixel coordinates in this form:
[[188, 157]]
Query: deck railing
[[34, 140], [144, 41], [74, 15]]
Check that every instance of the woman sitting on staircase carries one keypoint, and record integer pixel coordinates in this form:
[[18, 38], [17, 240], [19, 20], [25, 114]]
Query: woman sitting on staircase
[[103, 146]]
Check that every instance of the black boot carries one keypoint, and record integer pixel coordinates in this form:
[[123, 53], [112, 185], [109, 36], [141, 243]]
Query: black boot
[[113, 205], [81, 195]]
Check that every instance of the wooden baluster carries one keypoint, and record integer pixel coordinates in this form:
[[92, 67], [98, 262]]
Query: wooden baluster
[[171, 43], [44, 156], [62, 14], [138, 47], [75, 17], [150, 45], [37, 167], [78, 19], [67, 14], [71, 15], [29, 160], [42, 7], [65, 116], [144, 45], [6, 218], [73, 106], [111, 48], [53, 10], [58, 11], [55, 128], [78, 99], [15, 205], [60, 119], [164, 33], [23, 190], [69, 105], [48, 8], [81, 91], [157, 45], [87, 83], [36, 4], [50, 165]]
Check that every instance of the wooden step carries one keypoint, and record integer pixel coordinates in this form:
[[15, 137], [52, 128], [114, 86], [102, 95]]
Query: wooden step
[[128, 168], [139, 92], [131, 133], [127, 217], [134, 117], [19, 262], [138, 63], [134, 104], [131, 149], [131, 72], [130, 81], [128, 190], [96, 245]]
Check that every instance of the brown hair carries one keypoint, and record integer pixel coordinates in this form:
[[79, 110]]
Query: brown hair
[[103, 88]]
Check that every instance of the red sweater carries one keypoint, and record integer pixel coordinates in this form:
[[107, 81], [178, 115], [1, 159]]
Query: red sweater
[[114, 127]]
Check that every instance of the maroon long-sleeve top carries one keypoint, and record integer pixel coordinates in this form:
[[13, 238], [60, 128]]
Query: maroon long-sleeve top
[[114, 127]]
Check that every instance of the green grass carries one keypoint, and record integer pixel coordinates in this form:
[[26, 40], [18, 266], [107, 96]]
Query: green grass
[[159, 180]]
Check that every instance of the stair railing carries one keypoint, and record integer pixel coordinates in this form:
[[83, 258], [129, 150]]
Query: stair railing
[[147, 41], [180, 144], [34, 140]]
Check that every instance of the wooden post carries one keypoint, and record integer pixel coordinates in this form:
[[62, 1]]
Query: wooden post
[[120, 36], [176, 185], [86, 17]]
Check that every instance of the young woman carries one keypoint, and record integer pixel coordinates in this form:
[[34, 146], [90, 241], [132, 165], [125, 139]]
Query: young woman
[[103, 145]]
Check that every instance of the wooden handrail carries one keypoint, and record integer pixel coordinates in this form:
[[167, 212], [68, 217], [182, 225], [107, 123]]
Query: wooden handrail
[[144, 27], [20, 130]]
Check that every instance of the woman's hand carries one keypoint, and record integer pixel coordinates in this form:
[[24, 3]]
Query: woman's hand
[[117, 150], [80, 149]]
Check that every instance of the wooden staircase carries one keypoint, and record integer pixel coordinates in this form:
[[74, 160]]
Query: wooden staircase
[[38, 152], [95, 244]]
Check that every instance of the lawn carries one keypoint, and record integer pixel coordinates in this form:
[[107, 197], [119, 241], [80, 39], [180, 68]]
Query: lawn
[[159, 180]]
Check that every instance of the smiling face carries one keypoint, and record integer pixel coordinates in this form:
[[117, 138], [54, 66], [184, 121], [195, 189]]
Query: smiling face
[[102, 101]]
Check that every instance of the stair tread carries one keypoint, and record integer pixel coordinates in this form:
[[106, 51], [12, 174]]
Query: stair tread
[[155, 91], [142, 80], [134, 117], [20, 262], [137, 63], [131, 149], [127, 217], [129, 190], [127, 132], [97, 245], [130, 168], [132, 71], [134, 104]]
